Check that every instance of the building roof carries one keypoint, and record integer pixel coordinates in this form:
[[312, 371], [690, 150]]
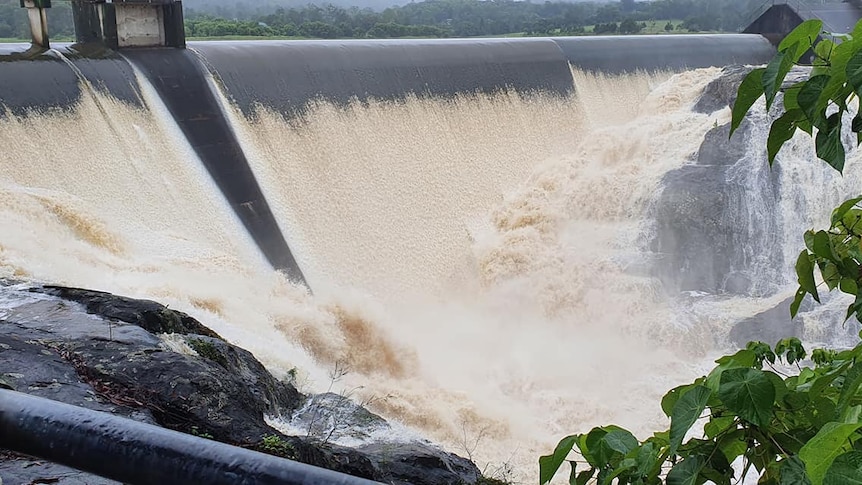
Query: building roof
[[839, 18]]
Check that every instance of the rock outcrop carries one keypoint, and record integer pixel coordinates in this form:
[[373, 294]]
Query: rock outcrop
[[769, 326], [120, 355], [717, 218]]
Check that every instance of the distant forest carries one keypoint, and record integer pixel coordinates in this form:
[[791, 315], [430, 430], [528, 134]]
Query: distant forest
[[469, 18], [430, 18]]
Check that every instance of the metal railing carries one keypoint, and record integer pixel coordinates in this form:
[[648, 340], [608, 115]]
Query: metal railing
[[141, 454]]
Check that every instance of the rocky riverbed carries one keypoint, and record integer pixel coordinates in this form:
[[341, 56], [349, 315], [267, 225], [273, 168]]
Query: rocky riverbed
[[144, 361]]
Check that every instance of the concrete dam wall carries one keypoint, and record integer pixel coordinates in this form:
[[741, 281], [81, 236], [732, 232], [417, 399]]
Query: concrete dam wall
[[285, 76]]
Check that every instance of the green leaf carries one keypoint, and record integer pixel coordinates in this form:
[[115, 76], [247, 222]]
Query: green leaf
[[792, 472], [840, 58], [625, 466], [748, 393], [646, 458], [749, 91], [823, 246], [800, 39], [852, 414], [743, 358], [797, 301], [716, 426], [831, 275], [782, 130], [733, 445], [774, 75], [573, 475], [791, 96], [823, 51], [686, 472], [584, 477], [549, 464], [828, 143], [838, 214], [823, 382], [809, 97], [584, 448], [808, 236], [852, 381], [821, 450], [620, 440], [845, 470], [856, 127], [849, 286], [778, 384], [669, 400], [608, 445], [854, 70], [805, 274], [686, 411]]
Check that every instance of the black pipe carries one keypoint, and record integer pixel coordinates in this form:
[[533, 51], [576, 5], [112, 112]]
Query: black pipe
[[136, 453]]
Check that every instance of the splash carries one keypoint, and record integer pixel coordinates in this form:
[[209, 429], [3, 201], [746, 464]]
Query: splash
[[496, 236]]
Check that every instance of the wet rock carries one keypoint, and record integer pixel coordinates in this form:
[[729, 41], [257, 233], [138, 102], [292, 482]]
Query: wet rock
[[144, 361], [769, 326], [417, 464], [153, 317], [17, 469], [717, 148], [717, 219], [333, 417], [721, 93]]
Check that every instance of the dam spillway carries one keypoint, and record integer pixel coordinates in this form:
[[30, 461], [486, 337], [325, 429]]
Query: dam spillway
[[287, 75], [505, 180]]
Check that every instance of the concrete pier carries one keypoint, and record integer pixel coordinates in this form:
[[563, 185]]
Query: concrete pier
[[37, 14], [129, 23]]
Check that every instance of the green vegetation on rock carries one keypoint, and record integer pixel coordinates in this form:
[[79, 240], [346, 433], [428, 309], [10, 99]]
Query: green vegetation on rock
[[207, 350], [802, 427], [275, 445]]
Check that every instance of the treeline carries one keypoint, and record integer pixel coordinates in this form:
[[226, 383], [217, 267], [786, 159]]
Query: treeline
[[13, 20], [470, 18], [431, 18]]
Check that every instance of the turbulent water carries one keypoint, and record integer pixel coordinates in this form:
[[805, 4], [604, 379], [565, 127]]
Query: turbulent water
[[478, 263]]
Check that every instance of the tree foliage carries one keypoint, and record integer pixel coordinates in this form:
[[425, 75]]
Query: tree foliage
[[802, 427], [14, 23], [791, 429], [467, 18]]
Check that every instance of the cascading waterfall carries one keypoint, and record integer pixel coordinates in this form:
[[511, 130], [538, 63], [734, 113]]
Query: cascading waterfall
[[482, 265]]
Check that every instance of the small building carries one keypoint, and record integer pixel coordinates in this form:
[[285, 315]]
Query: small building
[[781, 18]]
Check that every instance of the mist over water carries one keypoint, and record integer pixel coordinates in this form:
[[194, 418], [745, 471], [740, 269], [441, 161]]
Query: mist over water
[[478, 263]]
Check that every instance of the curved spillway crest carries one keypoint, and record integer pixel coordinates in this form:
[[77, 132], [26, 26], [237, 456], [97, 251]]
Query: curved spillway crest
[[286, 75], [630, 53]]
